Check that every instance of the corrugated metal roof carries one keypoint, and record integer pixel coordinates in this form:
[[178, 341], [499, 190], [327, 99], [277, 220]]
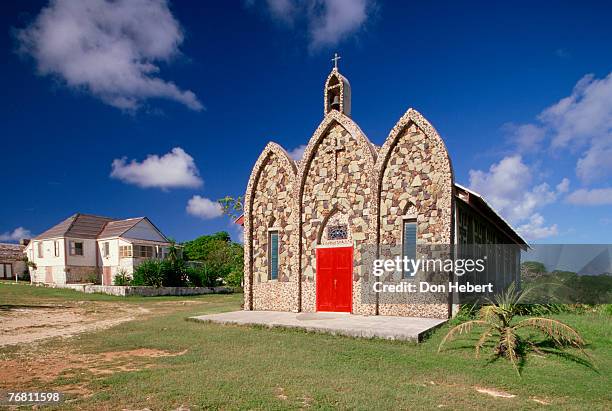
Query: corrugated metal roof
[[11, 252], [497, 215], [77, 225], [118, 227]]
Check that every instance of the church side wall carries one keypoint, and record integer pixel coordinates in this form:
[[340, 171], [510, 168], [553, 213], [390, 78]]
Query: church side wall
[[415, 181], [272, 208]]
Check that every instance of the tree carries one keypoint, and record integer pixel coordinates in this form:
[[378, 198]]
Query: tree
[[218, 256], [232, 207]]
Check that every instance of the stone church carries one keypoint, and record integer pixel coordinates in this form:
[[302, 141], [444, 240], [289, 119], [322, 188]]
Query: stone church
[[312, 227]]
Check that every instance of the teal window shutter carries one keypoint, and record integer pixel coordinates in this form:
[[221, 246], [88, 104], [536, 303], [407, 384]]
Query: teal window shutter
[[273, 253], [409, 242]]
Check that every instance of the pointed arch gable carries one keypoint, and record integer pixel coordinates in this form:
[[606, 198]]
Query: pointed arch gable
[[279, 154], [332, 118], [410, 116], [443, 169], [360, 156], [413, 178]]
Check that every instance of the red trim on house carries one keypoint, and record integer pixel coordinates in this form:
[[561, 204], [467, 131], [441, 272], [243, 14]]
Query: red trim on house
[[240, 220]]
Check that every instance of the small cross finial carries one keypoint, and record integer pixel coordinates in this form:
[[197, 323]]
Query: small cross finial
[[335, 60]]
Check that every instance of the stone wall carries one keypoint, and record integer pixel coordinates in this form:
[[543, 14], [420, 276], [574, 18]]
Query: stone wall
[[415, 180], [271, 208], [336, 186], [143, 291]]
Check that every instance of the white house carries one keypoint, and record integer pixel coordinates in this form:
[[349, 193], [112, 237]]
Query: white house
[[83, 247]]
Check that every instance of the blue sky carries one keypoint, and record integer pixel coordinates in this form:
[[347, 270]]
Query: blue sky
[[520, 93]]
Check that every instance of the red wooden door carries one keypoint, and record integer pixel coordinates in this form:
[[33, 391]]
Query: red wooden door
[[334, 279]]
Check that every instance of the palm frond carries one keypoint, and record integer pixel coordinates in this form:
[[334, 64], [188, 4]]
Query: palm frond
[[489, 312], [483, 339], [559, 332], [463, 328], [509, 340]]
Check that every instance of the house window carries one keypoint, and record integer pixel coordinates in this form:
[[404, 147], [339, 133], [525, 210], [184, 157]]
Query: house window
[[409, 237], [76, 248], [125, 251], [39, 246], [143, 251], [56, 248], [273, 255], [106, 248]]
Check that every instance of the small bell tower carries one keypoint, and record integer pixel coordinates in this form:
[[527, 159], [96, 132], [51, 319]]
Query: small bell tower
[[337, 93]]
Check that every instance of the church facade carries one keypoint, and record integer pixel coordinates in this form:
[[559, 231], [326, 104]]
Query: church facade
[[313, 227]]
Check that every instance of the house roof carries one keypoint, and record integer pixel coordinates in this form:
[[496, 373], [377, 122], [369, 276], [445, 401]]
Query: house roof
[[11, 251], [77, 225], [117, 227], [91, 226], [239, 220]]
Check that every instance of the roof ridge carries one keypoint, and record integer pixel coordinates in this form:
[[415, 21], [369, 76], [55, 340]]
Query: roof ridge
[[96, 215], [75, 216]]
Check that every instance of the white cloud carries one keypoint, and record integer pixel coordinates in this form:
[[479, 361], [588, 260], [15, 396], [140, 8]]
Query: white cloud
[[508, 186], [580, 122], [204, 208], [336, 20], [526, 137], [283, 10], [172, 170], [298, 152], [16, 235], [595, 164], [563, 186], [108, 48], [327, 22], [535, 229], [583, 115], [594, 197]]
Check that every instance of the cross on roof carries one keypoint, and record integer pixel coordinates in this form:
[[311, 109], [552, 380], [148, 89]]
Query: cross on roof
[[335, 148], [335, 60]]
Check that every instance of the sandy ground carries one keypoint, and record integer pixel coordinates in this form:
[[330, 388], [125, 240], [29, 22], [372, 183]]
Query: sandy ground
[[26, 324], [35, 365]]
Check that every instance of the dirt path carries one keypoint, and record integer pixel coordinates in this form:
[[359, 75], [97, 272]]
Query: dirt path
[[26, 324]]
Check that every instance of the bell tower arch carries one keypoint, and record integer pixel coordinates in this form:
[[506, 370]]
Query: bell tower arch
[[337, 92]]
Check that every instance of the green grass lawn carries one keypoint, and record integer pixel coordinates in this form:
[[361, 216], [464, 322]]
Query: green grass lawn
[[229, 367]]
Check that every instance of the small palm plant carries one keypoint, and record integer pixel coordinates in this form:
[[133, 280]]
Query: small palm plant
[[497, 319]]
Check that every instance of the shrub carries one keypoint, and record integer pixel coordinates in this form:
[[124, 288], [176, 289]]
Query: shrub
[[122, 278], [202, 276], [149, 273], [92, 277], [235, 277], [173, 272]]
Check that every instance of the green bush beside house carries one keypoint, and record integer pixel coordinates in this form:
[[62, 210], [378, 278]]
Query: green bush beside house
[[207, 261]]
